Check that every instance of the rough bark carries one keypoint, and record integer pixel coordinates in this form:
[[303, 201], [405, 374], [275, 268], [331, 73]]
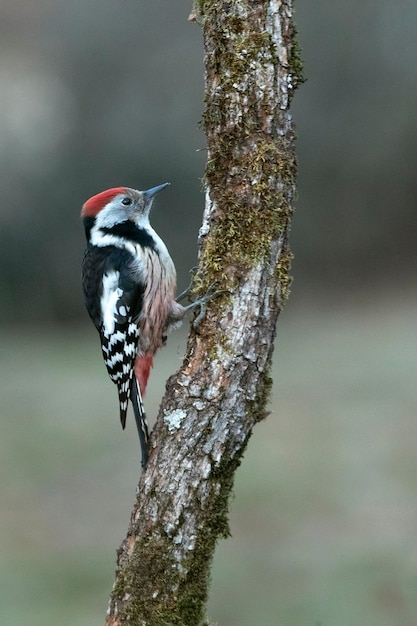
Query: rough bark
[[212, 404]]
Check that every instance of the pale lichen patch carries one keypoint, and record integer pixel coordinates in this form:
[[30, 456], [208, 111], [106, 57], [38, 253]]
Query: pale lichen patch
[[175, 419]]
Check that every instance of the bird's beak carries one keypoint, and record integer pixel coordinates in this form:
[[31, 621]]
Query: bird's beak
[[150, 193]]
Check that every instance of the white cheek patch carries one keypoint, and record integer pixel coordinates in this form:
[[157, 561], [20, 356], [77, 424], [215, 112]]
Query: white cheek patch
[[109, 299]]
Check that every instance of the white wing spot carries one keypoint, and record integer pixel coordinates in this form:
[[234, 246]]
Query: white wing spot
[[118, 336], [130, 349], [115, 358]]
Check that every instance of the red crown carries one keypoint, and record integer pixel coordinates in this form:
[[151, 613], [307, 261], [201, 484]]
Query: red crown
[[94, 205]]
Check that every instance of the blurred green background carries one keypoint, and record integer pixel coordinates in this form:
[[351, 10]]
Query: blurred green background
[[324, 519]]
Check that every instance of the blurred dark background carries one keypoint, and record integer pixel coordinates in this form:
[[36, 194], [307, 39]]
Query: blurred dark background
[[109, 92]]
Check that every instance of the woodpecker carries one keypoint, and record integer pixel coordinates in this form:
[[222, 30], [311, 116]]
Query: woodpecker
[[129, 285]]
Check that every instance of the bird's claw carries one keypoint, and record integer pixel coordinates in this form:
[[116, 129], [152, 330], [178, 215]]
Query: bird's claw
[[202, 303]]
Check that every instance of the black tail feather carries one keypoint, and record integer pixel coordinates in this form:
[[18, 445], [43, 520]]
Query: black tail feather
[[140, 417], [123, 413]]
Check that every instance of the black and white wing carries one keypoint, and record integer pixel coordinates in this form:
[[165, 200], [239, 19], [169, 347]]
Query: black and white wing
[[120, 304]]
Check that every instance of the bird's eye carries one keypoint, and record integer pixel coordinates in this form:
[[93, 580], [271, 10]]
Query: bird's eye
[[127, 201]]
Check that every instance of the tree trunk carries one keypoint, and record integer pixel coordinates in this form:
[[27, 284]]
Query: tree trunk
[[211, 405]]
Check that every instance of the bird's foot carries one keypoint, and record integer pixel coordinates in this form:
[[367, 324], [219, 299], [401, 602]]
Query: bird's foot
[[210, 294]]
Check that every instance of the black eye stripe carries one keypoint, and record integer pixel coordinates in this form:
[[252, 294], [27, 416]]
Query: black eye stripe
[[126, 201]]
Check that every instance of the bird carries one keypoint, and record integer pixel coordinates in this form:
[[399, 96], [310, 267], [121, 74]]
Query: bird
[[129, 287]]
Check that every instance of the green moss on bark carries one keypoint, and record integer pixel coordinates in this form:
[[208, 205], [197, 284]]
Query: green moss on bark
[[251, 169], [184, 585]]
